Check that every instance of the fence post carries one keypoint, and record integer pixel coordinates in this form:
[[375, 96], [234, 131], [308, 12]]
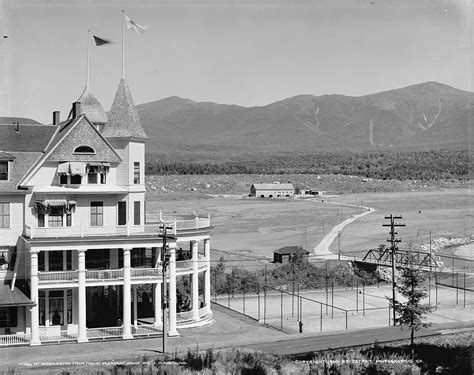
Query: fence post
[[363, 298], [464, 303], [457, 287], [281, 310], [258, 298], [346, 319], [357, 294], [321, 318], [332, 299]]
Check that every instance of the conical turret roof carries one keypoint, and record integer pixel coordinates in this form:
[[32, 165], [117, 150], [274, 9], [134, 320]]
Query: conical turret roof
[[123, 116], [91, 107]]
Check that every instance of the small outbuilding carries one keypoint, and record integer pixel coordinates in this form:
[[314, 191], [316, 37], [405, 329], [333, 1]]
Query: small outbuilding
[[285, 254], [272, 190]]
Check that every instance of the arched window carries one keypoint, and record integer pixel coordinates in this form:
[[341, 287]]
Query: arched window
[[84, 150]]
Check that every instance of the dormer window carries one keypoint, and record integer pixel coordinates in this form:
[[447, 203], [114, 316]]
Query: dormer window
[[84, 150], [3, 170]]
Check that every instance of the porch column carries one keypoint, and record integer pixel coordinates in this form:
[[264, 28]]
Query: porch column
[[172, 296], [207, 274], [127, 313], [195, 283], [135, 310], [81, 267], [34, 310], [157, 303]]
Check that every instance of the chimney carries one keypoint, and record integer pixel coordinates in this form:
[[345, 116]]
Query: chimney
[[56, 117], [76, 109]]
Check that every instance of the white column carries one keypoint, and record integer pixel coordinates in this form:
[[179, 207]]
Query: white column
[[127, 313], [195, 283], [157, 304], [172, 296], [207, 274], [135, 310], [34, 311], [81, 300]]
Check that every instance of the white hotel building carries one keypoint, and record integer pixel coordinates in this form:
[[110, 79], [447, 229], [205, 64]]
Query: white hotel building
[[78, 258]]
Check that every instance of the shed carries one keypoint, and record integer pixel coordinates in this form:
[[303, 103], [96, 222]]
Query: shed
[[284, 254]]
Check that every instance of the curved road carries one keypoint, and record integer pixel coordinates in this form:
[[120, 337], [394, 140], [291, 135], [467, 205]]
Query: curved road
[[322, 249]]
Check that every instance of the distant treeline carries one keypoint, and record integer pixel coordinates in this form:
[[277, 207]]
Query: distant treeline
[[412, 165]]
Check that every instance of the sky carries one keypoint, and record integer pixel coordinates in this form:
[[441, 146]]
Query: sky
[[246, 52]]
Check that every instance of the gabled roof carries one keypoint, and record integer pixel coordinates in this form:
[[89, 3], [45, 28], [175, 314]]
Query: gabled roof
[[91, 107], [62, 132], [123, 120], [25, 138], [4, 156], [274, 186], [19, 167]]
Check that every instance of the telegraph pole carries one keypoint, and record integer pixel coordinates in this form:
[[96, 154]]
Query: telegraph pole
[[165, 259], [393, 241], [339, 245]]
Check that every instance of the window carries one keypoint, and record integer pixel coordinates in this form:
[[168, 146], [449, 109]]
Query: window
[[8, 316], [40, 219], [84, 150], [97, 213], [4, 214], [55, 260], [56, 307], [63, 179], [41, 265], [92, 175], [122, 213], [3, 170], [69, 306], [76, 179], [136, 213], [42, 307], [138, 257], [136, 172], [55, 217]]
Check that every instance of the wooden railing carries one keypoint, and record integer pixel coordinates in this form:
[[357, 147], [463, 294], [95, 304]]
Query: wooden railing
[[104, 274], [58, 276], [104, 332], [14, 339]]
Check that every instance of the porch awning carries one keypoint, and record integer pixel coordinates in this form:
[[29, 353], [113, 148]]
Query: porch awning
[[45, 206], [15, 297], [72, 168]]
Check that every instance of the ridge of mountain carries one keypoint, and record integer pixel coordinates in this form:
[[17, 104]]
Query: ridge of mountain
[[429, 115]]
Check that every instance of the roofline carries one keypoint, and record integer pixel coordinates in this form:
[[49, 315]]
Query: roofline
[[43, 157]]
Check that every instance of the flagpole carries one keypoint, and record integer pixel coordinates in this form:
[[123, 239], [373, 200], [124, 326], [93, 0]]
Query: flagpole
[[123, 46], [88, 49]]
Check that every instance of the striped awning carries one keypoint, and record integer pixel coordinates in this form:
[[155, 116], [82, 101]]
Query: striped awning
[[72, 168], [10, 298], [47, 204]]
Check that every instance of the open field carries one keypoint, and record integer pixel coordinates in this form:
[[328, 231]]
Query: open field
[[257, 227]]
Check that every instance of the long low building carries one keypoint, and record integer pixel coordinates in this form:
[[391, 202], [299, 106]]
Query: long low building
[[273, 190]]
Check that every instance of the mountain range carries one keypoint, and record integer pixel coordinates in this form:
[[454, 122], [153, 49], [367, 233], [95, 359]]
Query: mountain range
[[425, 116]]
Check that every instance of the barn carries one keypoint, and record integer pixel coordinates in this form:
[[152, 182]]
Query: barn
[[272, 190]]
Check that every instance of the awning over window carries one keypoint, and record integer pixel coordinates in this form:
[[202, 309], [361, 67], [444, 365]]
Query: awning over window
[[46, 205], [72, 168], [10, 298], [102, 166]]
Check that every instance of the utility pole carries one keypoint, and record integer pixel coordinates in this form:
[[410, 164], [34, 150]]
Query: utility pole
[[393, 241], [165, 259]]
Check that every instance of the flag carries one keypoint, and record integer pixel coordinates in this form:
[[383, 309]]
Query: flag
[[134, 26], [100, 41]]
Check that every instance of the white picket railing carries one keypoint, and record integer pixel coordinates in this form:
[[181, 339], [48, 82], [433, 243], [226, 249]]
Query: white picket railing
[[55, 333], [146, 330], [145, 272], [58, 276], [14, 339], [104, 274], [102, 333]]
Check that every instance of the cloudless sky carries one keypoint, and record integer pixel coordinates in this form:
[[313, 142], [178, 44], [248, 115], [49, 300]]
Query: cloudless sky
[[246, 52]]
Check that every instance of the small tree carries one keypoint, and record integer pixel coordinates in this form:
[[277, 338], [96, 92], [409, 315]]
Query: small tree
[[411, 313]]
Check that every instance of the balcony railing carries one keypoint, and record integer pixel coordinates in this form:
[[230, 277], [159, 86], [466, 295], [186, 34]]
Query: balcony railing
[[14, 339], [104, 274], [58, 276], [145, 272], [151, 228]]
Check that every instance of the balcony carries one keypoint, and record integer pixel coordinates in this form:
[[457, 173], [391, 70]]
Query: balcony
[[178, 224]]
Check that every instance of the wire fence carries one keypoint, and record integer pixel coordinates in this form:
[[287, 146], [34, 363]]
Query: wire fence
[[291, 308]]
